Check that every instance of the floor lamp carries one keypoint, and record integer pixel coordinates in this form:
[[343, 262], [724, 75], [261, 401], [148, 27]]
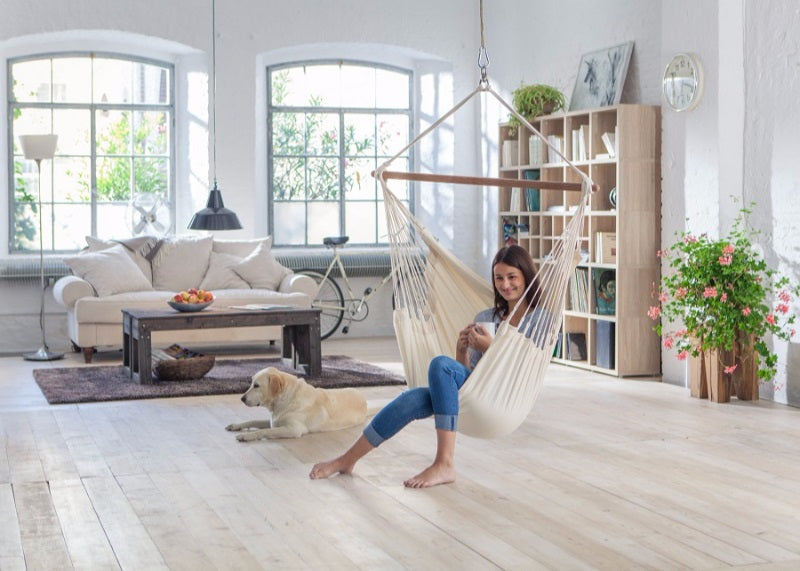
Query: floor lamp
[[37, 148]]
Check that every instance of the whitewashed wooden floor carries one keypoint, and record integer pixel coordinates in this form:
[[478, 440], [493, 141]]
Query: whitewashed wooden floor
[[605, 474]]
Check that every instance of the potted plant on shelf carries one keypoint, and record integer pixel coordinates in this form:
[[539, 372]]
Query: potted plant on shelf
[[729, 301], [530, 101]]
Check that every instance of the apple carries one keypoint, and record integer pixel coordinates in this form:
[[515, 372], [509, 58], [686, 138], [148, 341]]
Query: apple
[[209, 296], [178, 297]]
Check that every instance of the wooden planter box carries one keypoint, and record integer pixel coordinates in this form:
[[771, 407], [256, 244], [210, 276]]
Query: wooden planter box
[[707, 378]]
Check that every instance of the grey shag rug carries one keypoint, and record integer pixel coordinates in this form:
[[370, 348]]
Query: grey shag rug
[[228, 376]]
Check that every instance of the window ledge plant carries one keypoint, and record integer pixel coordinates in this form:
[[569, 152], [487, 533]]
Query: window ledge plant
[[726, 296]]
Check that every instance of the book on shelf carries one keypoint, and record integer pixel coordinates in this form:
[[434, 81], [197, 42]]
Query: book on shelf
[[555, 148], [579, 143], [583, 142], [605, 248], [510, 152], [516, 204], [605, 291], [535, 150], [604, 344], [532, 195], [610, 141], [578, 291]]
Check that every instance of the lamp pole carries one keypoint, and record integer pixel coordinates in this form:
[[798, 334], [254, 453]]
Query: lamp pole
[[37, 148]]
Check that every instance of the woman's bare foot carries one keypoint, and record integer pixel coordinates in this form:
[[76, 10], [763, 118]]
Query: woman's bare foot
[[344, 463], [433, 475], [327, 469]]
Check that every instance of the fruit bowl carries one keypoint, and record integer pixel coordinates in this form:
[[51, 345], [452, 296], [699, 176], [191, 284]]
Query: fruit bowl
[[192, 299], [180, 306]]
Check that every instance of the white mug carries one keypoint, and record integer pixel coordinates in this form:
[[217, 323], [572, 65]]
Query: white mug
[[488, 326]]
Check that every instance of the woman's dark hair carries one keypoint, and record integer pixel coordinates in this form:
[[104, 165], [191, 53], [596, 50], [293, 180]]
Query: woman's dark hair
[[517, 257]]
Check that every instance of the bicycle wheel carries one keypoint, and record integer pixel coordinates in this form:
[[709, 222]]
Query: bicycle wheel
[[329, 300]]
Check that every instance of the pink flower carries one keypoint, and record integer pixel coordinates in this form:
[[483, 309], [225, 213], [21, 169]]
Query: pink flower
[[730, 370], [747, 311], [723, 297], [668, 342], [729, 249], [689, 239], [682, 355], [725, 260], [792, 332], [784, 296], [782, 307], [659, 253], [681, 292], [654, 312], [681, 333], [710, 292], [771, 319], [662, 297]]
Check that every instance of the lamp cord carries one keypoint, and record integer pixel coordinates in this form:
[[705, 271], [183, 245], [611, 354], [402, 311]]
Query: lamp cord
[[214, 90]]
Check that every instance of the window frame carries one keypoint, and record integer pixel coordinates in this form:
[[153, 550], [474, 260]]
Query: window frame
[[92, 107], [341, 111]]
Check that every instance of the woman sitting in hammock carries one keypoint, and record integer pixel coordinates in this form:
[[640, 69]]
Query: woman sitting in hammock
[[512, 271]]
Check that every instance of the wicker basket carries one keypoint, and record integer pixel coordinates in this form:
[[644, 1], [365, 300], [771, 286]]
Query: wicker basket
[[176, 363]]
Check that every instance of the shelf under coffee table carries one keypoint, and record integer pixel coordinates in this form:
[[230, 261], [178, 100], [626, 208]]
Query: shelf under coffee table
[[301, 347]]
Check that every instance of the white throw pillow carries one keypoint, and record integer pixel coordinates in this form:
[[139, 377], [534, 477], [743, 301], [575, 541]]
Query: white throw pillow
[[261, 270], [220, 274], [181, 263], [109, 271], [137, 248], [241, 248]]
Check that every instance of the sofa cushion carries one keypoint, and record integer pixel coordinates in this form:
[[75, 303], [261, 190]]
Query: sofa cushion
[[261, 270], [241, 248], [220, 274], [138, 248], [110, 271], [181, 263]]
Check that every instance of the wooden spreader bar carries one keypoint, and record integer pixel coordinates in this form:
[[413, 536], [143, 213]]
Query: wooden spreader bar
[[483, 181]]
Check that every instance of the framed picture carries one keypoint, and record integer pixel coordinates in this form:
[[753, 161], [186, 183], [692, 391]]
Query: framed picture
[[601, 77]]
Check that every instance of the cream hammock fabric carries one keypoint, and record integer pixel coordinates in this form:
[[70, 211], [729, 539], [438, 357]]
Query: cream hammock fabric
[[437, 295]]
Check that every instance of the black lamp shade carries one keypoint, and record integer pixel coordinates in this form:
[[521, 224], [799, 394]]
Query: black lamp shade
[[215, 216]]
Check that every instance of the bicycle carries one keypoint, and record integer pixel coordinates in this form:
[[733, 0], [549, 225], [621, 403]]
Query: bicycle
[[329, 297]]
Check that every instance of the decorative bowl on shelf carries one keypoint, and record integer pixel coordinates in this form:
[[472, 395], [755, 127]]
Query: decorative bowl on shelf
[[180, 306]]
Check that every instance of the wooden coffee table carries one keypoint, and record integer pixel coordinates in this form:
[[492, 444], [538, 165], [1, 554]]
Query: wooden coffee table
[[302, 347]]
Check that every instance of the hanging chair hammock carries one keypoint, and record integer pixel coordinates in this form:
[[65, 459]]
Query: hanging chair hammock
[[437, 295]]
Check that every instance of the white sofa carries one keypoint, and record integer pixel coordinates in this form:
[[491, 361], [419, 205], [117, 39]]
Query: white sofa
[[145, 272]]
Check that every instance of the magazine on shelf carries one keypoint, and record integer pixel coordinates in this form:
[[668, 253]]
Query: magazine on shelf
[[260, 306]]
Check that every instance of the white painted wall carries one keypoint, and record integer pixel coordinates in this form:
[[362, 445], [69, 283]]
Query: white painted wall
[[740, 143]]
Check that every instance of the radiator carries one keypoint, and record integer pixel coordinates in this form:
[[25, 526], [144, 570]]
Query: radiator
[[357, 264], [27, 269]]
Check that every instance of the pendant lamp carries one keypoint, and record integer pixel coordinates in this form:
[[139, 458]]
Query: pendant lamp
[[214, 216]]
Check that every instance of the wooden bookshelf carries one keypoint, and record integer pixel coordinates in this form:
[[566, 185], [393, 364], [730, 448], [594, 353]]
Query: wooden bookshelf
[[618, 244]]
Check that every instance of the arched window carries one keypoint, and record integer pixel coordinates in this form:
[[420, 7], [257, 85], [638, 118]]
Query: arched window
[[113, 171], [329, 124]]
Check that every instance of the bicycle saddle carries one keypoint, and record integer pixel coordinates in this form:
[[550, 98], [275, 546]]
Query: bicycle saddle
[[335, 240]]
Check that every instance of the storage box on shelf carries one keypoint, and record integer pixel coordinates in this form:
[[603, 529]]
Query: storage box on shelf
[[609, 293]]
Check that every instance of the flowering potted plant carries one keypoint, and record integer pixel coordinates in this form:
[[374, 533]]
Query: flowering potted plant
[[728, 301]]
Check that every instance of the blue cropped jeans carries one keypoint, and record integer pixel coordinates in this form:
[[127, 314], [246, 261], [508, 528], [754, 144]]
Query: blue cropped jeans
[[439, 398]]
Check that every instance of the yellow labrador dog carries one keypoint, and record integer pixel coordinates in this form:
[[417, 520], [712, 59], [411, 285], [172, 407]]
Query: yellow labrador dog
[[298, 408]]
